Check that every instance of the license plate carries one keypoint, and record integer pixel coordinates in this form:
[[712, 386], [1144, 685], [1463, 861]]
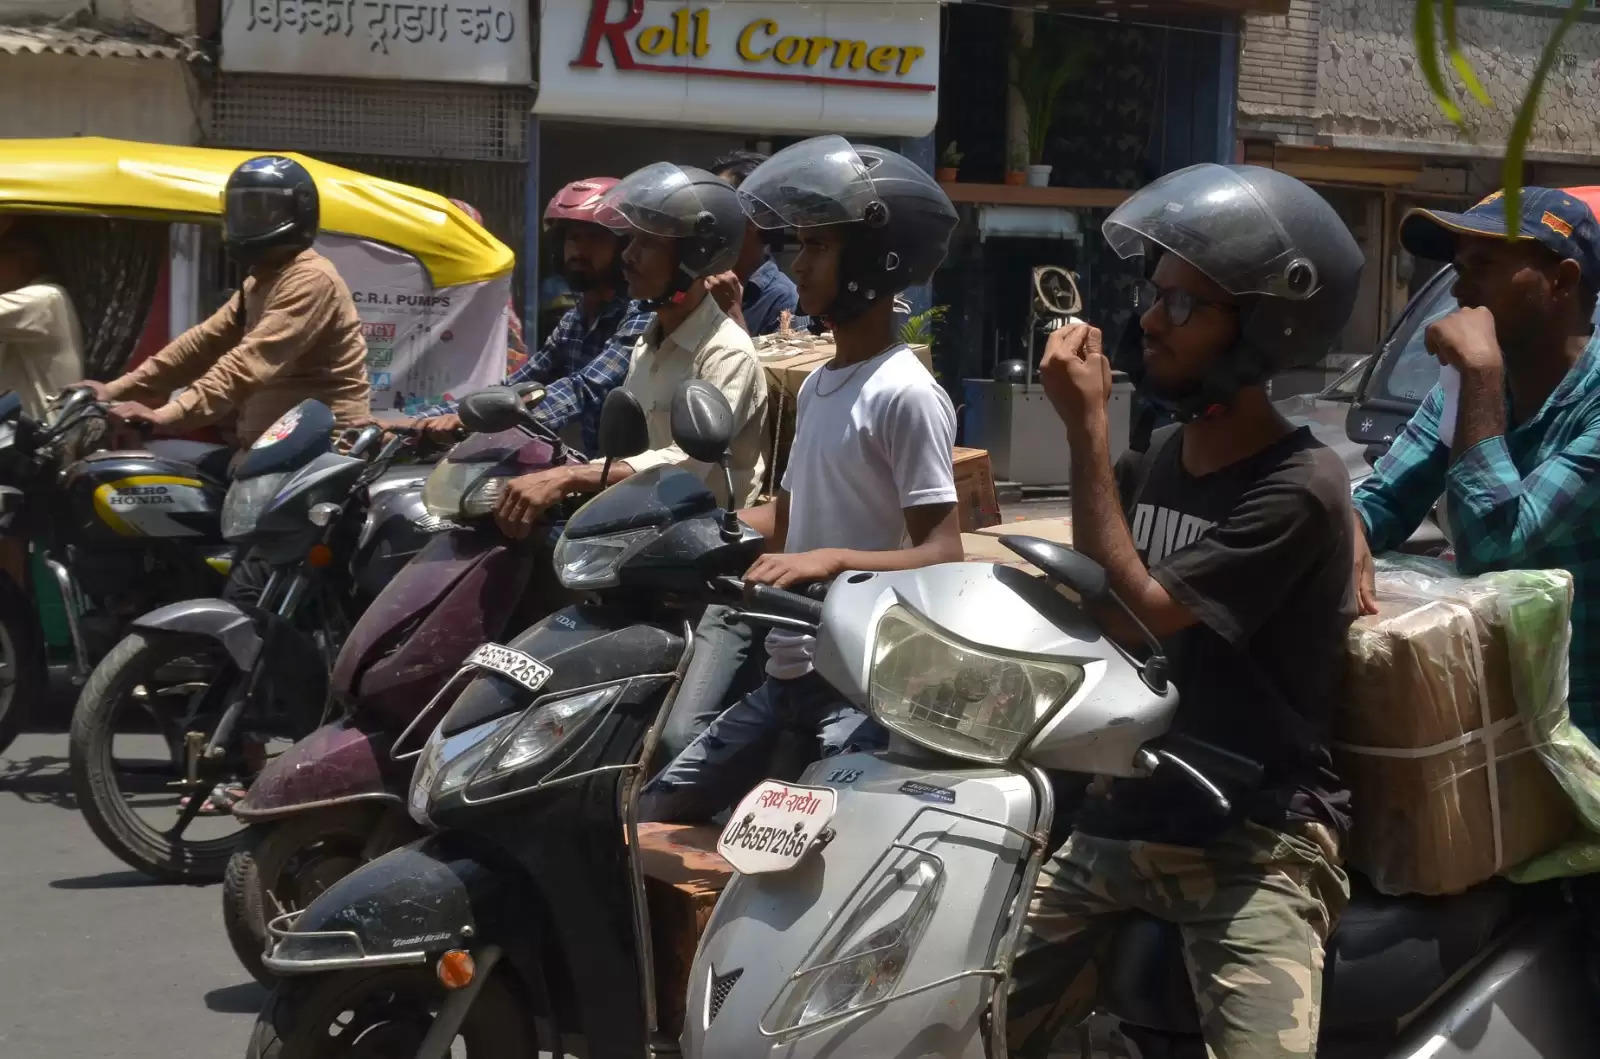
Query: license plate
[[511, 664], [775, 825]]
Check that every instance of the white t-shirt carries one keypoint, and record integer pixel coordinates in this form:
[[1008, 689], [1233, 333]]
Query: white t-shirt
[[870, 440]]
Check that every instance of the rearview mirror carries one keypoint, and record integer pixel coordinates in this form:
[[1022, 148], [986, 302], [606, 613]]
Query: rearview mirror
[[1074, 569], [702, 421], [623, 429], [491, 411]]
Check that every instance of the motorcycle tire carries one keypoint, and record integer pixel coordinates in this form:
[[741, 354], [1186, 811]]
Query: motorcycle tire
[[257, 867], [383, 1012], [94, 783], [22, 649]]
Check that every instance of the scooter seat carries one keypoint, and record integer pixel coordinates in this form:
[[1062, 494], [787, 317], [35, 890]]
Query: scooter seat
[[1388, 956]]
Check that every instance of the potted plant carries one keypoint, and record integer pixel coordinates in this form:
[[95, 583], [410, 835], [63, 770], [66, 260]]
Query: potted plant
[[1016, 172], [917, 332], [949, 166], [1042, 72]]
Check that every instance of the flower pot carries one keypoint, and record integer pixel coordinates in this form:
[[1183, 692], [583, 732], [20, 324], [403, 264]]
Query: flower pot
[[946, 174], [1039, 176], [1016, 178]]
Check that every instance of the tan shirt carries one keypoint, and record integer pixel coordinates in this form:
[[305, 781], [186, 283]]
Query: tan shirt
[[710, 346], [300, 338], [41, 344]]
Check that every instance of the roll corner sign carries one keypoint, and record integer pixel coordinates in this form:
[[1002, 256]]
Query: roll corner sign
[[865, 66]]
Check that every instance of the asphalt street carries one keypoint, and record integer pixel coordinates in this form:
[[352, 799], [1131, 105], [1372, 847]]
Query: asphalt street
[[96, 960]]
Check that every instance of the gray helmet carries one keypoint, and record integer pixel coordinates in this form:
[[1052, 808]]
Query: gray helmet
[[899, 218], [1264, 237], [695, 207]]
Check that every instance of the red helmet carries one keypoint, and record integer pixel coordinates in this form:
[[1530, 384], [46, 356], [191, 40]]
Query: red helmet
[[578, 200]]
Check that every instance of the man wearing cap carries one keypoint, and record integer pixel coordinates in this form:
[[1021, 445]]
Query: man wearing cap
[[1520, 465]]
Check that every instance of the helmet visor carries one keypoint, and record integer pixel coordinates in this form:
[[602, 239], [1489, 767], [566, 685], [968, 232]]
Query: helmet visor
[[815, 182], [660, 199], [1213, 219], [249, 213]]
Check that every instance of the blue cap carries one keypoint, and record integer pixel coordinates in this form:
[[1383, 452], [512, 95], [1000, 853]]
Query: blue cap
[[1550, 216]]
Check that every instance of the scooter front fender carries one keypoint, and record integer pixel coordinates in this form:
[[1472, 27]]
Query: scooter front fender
[[402, 909], [338, 763], [225, 622]]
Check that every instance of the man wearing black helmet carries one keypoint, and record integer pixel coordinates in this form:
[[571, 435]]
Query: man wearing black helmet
[[292, 331], [869, 483], [684, 225], [1230, 541]]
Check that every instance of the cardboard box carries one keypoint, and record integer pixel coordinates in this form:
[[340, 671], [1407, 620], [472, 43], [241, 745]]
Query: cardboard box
[[1446, 790], [976, 504], [684, 876]]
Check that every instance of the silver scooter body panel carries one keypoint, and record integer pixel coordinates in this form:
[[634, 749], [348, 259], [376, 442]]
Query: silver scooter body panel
[[768, 927], [1100, 730]]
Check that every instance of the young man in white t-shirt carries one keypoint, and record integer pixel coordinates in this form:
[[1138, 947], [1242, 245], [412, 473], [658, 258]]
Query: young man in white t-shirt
[[869, 484]]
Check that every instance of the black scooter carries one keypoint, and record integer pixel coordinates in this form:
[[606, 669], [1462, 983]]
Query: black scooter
[[522, 920]]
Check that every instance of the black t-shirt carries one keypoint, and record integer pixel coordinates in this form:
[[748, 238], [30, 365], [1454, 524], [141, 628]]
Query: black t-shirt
[[1260, 552]]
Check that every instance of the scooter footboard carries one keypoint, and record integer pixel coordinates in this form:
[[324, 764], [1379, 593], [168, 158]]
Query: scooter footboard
[[885, 934], [404, 908]]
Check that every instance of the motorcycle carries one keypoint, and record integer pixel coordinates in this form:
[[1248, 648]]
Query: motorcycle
[[877, 903], [111, 534], [336, 799], [522, 918], [184, 710]]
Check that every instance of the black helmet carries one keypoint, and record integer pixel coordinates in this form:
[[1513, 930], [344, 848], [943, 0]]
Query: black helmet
[[695, 207], [268, 203], [1268, 240], [901, 219]]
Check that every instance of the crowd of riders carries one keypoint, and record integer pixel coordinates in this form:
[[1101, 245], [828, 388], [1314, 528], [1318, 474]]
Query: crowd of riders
[[1246, 272]]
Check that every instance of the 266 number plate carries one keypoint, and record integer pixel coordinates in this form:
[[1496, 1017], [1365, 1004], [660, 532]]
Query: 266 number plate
[[511, 664]]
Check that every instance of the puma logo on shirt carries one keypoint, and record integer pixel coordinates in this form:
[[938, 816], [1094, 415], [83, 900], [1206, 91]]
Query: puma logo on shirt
[[1160, 531]]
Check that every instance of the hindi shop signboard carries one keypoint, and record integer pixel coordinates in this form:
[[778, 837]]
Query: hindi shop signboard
[[860, 67], [484, 41]]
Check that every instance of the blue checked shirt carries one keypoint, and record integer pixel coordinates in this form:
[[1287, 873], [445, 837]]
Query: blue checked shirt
[[1525, 500], [579, 364]]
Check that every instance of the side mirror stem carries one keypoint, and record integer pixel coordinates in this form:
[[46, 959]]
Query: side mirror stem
[[605, 472]]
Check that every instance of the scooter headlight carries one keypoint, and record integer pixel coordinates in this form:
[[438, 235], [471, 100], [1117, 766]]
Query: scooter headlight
[[545, 730], [447, 762], [867, 958], [958, 698], [593, 562]]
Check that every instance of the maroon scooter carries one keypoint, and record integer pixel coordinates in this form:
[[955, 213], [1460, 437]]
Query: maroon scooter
[[336, 799]]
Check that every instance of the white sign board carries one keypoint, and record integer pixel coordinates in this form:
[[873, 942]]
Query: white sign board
[[858, 67], [425, 40], [424, 345]]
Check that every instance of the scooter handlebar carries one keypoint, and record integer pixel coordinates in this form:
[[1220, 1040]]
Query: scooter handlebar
[[784, 603]]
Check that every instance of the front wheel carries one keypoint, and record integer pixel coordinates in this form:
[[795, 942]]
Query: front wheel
[[134, 731], [282, 866], [385, 1015]]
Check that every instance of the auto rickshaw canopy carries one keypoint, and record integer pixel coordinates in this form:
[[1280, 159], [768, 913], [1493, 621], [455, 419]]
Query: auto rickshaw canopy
[[126, 178]]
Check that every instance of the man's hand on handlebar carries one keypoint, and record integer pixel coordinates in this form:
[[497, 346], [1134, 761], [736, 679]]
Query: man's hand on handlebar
[[439, 429], [783, 569], [525, 499], [101, 390]]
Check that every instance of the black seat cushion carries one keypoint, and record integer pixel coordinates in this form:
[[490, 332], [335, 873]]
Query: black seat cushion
[[1388, 955]]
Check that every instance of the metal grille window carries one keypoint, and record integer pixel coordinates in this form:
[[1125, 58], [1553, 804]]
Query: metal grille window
[[351, 116]]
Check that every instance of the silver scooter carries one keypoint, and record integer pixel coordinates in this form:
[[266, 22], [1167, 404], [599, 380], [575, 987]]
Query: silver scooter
[[878, 901]]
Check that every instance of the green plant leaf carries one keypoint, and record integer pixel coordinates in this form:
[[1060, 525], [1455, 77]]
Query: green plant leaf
[[1458, 59], [1424, 31], [1522, 128]]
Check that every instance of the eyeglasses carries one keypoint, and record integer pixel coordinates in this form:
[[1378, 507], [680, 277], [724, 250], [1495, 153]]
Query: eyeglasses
[[1178, 304]]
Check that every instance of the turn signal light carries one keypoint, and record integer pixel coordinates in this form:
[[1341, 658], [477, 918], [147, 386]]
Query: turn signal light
[[319, 556], [456, 969]]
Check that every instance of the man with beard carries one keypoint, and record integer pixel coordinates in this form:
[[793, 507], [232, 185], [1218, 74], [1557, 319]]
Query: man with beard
[[587, 355]]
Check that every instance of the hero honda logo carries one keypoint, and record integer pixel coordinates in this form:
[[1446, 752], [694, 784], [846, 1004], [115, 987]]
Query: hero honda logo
[[768, 53], [140, 495]]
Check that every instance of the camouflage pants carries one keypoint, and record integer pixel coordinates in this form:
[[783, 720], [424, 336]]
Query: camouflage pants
[[1255, 908]]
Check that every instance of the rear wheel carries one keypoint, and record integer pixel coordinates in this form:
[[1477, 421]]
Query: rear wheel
[[282, 866], [385, 1015], [144, 703], [23, 678]]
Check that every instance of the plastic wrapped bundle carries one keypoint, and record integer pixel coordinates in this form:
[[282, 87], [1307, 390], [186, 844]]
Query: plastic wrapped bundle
[[1452, 690]]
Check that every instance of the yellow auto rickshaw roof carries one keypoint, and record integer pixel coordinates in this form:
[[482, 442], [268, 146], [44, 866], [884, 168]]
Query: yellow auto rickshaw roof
[[126, 178]]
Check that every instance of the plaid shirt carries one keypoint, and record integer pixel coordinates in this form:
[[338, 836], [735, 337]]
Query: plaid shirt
[[579, 364], [1525, 500]]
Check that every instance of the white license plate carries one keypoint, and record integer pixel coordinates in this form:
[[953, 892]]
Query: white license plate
[[775, 825], [511, 664]]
